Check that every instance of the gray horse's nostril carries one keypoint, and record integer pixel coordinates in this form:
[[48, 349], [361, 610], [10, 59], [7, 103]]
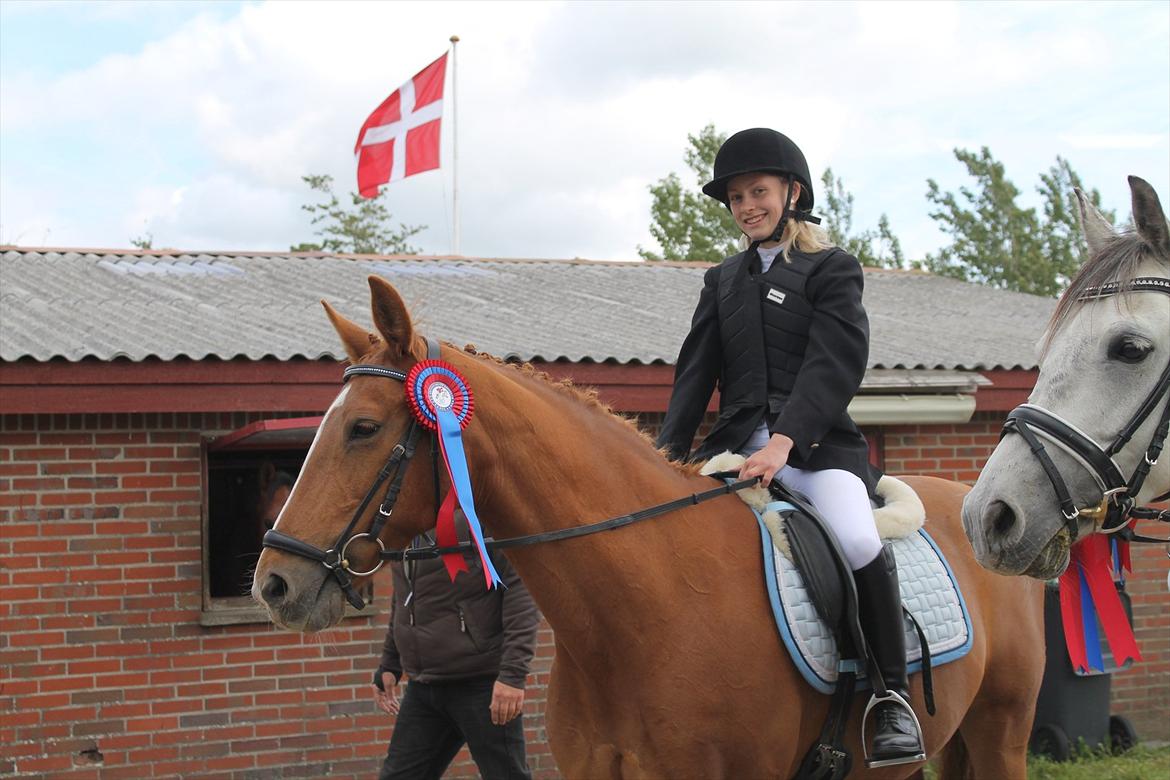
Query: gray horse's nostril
[[274, 590], [1001, 518]]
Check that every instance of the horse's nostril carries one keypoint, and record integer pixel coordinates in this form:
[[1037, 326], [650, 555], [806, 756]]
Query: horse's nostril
[[1003, 519], [274, 590]]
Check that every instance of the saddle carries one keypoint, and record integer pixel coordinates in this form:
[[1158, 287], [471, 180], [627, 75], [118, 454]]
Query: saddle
[[809, 543]]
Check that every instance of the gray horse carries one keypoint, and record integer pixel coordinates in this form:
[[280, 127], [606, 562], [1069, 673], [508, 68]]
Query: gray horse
[[1104, 363]]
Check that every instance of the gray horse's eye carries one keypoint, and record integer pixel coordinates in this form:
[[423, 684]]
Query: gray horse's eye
[[1130, 348]]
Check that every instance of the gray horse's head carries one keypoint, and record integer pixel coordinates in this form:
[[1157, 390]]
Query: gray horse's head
[[1100, 359]]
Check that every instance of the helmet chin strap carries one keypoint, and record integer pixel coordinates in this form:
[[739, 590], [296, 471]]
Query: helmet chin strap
[[789, 213]]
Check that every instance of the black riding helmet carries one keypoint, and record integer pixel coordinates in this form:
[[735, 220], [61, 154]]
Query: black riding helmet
[[760, 150]]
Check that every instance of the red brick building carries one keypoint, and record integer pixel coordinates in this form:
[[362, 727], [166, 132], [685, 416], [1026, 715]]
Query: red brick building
[[118, 658]]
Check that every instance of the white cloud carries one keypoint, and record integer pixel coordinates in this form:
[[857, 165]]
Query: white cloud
[[568, 112]]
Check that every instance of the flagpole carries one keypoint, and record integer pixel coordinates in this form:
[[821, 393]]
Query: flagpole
[[454, 148]]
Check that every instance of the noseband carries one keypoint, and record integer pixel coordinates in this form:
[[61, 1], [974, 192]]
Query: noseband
[[336, 560], [1119, 496]]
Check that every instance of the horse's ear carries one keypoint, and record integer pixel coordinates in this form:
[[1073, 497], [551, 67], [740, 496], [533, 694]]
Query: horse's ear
[[1098, 232], [354, 337], [1148, 216], [392, 319]]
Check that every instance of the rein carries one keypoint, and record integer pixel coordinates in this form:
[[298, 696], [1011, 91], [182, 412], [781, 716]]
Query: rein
[[1117, 508], [336, 560]]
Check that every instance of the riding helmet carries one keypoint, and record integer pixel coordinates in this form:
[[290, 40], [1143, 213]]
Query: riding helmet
[[760, 150]]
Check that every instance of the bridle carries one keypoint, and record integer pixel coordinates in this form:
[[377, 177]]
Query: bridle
[[336, 558], [1119, 495]]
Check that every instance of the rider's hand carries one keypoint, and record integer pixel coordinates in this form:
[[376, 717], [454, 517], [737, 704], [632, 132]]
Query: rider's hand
[[506, 702], [766, 462], [387, 700]]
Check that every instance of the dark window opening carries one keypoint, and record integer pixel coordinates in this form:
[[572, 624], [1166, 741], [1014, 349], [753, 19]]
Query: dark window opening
[[245, 492]]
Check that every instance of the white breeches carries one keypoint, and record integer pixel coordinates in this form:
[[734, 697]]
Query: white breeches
[[842, 500]]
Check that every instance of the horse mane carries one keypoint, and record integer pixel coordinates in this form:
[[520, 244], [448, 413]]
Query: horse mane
[[1117, 261], [586, 398]]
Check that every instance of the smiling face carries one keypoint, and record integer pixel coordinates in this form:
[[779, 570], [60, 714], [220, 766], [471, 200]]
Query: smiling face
[[757, 203]]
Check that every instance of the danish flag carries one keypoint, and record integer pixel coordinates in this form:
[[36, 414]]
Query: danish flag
[[401, 137]]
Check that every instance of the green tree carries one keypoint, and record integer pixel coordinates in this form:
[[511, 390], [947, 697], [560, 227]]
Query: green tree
[[362, 228], [686, 223], [145, 241], [1064, 242], [997, 242], [876, 247]]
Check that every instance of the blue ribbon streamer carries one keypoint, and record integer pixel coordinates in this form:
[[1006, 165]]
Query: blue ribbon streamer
[[1089, 625], [452, 441]]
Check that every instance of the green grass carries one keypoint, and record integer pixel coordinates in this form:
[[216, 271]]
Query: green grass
[[1140, 763]]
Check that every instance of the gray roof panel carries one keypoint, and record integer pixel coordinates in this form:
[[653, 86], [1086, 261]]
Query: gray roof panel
[[106, 304]]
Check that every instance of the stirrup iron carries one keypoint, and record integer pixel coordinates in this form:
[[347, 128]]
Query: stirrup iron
[[895, 697]]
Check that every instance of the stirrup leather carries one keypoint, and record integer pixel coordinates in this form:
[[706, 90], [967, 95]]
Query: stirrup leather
[[895, 697]]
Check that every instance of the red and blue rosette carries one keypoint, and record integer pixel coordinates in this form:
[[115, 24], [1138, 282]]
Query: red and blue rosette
[[442, 401]]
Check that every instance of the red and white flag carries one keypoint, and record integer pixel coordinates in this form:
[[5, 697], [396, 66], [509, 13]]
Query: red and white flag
[[401, 137]]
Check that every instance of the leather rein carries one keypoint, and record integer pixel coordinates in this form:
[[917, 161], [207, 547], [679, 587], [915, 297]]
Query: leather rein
[[1119, 495], [336, 558]]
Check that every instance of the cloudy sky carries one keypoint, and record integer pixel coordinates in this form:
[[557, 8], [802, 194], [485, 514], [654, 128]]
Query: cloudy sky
[[194, 122]]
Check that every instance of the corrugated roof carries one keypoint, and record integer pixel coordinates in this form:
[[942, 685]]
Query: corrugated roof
[[108, 304]]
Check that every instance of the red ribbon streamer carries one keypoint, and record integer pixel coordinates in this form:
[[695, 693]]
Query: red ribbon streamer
[[446, 536], [1092, 557]]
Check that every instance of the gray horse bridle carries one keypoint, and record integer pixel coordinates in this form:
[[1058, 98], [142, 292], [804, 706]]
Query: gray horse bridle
[[1119, 495]]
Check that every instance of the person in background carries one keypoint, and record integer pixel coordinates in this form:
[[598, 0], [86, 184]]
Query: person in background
[[466, 651]]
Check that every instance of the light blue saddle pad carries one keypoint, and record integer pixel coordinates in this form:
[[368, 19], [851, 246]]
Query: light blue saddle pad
[[929, 591]]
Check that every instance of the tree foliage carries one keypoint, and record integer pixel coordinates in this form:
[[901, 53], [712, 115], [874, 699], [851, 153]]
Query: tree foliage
[[997, 242], [875, 247], [362, 227], [686, 223]]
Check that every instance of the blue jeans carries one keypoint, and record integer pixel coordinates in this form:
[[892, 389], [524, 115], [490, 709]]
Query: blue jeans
[[434, 722]]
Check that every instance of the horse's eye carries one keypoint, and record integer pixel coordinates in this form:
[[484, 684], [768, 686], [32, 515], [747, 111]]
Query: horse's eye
[[363, 429], [1130, 349]]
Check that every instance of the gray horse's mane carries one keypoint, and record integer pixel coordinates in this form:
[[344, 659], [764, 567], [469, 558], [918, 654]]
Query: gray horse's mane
[[1117, 261]]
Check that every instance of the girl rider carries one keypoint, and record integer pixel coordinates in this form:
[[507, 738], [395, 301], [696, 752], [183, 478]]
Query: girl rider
[[781, 329]]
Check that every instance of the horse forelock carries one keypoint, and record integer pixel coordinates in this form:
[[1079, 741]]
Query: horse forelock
[[1118, 261]]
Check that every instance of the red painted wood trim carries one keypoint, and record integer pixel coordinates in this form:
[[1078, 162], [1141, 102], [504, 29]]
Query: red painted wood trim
[[283, 424], [1009, 389], [184, 385]]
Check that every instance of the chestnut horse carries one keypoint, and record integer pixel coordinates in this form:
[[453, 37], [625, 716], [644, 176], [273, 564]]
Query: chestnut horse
[[668, 662]]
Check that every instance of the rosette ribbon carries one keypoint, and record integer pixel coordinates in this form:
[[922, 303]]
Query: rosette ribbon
[[441, 400], [1088, 595]]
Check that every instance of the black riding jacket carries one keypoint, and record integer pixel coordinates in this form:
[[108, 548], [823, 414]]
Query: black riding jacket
[[788, 346]]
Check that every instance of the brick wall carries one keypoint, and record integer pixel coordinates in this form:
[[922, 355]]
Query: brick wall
[[106, 671]]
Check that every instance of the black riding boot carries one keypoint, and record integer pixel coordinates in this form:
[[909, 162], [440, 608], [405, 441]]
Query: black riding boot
[[897, 738]]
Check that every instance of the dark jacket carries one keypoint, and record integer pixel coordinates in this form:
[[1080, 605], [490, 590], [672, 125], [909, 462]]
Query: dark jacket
[[459, 630], [789, 346]]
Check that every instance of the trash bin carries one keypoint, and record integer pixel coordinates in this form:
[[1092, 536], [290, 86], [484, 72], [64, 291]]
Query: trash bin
[[1074, 706]]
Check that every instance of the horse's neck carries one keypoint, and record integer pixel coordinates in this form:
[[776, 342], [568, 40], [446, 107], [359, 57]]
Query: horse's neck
[[556, 463]]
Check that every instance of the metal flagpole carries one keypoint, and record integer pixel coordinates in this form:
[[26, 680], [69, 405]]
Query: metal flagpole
[[454, 149]]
